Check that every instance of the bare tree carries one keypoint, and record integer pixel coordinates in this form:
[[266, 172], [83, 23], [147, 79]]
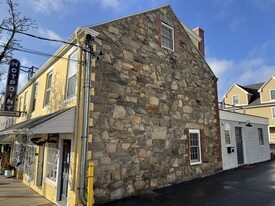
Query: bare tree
[[10, 25]]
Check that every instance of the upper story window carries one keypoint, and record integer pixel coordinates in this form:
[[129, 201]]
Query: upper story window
[[235, 100], [227, 136], [194, 147], [261, 136], [35, 88], [48, 89], [25, 101], [272, 94], [71, 80], [167, 37], [273, 112], [20, 103]]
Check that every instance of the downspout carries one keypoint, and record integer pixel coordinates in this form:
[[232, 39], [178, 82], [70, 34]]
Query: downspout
[[86, 116]]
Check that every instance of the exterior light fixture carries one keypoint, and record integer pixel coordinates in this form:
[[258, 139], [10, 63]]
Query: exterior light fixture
[[247, 123]]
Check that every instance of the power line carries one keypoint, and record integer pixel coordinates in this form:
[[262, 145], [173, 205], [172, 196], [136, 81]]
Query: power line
[[31, 51], [41, 38], [53, 40]]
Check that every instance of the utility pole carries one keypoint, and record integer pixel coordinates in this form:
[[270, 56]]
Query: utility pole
[[86, 116]]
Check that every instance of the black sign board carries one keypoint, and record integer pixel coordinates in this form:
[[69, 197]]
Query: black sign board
[[53, 138], [12, 83], [10, 113]]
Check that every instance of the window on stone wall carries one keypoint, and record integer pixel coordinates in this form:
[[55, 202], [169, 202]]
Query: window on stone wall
[[235, 99], [194, 147], [272, 94], [52, 159], [29, 169], [260, 135], [167, 37], [227, 136]]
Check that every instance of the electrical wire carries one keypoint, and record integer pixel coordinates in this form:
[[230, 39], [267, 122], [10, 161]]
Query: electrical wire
[[41, 38], [48, 39], [31, 51]]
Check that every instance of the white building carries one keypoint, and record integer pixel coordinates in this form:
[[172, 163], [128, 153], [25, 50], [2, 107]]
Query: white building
[[244, 139]]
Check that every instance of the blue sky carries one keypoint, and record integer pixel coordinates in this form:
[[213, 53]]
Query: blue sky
[[239, 34]]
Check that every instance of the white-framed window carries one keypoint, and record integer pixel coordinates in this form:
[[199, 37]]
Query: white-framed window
[[52, 161], [25, 101], [16, 152], [35, 89], [167, 37], [273, 112], [20, 103], [71, 79], [272, 94], [194, 146], [235, 99], [48, 89], [30, 163], [227, 136], [261, 136]]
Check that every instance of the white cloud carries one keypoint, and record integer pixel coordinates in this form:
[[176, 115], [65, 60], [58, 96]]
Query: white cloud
[[262, 49], [236, 23], [223, 3], [50, 34], [245, 72], [264, 5], [220, 66], [112, 4], [46, 6]]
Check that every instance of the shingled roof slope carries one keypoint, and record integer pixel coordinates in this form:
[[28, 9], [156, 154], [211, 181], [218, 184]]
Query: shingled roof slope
[[253, 89]]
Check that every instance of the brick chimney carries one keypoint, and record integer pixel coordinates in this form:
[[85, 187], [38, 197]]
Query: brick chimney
[[200, 33]]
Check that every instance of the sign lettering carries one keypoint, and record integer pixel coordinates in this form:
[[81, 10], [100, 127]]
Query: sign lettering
[[12, 83]]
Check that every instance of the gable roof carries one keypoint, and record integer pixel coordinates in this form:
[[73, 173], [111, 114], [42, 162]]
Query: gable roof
[[253, 90], [240, 87], [265, 83], [187, 29]]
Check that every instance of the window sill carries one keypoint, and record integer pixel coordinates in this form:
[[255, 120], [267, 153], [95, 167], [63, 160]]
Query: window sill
[[49, 181], [195, 163], [168, 48], [69, 99], [28, 178], [46, 107]]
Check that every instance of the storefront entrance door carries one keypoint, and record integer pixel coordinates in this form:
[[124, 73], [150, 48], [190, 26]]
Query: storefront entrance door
[[66, 159]]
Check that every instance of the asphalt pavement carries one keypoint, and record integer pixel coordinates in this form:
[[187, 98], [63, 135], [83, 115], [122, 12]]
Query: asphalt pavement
[[249, 185]]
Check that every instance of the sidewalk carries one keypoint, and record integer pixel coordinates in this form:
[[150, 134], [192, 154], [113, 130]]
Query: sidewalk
[[14, 192], [250, 185]]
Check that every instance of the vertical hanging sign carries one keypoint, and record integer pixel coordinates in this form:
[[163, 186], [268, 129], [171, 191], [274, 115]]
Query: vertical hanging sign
[[12, 83]]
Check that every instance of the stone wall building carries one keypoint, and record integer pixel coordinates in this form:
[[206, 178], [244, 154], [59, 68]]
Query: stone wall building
[[154, 118], [155, 114]]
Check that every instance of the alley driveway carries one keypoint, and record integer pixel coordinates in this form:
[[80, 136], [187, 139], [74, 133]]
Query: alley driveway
[[14, 192], [250, 185]]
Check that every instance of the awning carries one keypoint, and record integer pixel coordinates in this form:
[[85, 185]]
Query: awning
[[62, 121], [5, 139]]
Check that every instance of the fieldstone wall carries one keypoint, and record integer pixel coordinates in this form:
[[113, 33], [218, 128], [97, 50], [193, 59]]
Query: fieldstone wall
[[146, 99]]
